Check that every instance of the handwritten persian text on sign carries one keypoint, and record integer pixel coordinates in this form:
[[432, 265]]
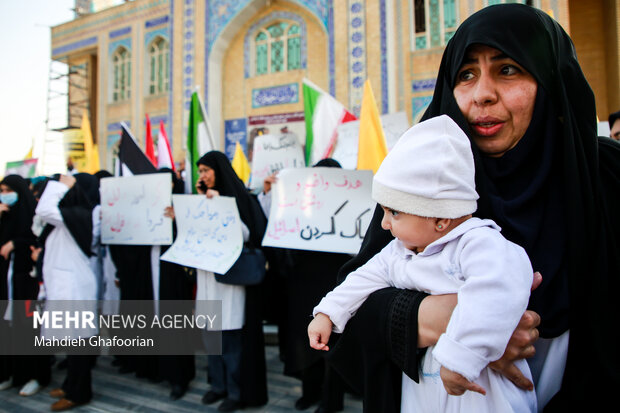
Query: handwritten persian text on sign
[[132, 210], [320, 209], [272, 153], [209, 233]]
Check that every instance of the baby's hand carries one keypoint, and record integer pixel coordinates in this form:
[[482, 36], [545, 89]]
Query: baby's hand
[[319, 331], [456, 385]]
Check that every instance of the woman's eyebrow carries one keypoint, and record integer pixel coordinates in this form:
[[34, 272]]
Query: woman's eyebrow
[[501, 56], [469, 59]]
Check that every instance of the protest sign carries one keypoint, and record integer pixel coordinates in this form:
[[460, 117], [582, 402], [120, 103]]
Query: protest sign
[[132, 210], [320, 209], [208, 233], [273, 153]]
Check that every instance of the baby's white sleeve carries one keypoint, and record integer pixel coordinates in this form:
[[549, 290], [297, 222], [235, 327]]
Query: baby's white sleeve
[[341, 303], [498, 277]]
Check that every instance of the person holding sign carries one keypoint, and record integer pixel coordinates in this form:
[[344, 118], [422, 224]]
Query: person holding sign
[[239, 375], [425, 186], [306, 277]]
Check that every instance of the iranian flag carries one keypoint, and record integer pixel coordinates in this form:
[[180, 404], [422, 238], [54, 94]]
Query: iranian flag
[[164, 154], [199, 141], [323, 114]]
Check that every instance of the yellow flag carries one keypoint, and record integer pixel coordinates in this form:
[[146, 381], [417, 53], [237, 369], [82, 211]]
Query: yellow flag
[[240, 164], [372, 148], [91, 152], [29, 154]]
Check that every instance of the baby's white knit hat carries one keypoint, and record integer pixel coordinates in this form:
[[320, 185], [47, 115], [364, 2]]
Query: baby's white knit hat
[[429, 172]]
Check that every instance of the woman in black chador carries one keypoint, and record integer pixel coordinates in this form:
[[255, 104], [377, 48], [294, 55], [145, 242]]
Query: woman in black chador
[[552, 186], [17, 206], [239, 375]]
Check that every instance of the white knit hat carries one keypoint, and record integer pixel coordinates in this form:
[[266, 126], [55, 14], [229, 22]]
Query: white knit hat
[[429, 172]]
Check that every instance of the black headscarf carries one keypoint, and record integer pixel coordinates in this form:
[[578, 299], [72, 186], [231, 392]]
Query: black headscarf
[[328, 163], [16, 223], [551, 193], [102, 174], [76, 209], [227, 183], [177, 185]]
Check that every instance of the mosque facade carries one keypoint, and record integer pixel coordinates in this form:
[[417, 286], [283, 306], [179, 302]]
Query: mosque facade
[[247, 60]]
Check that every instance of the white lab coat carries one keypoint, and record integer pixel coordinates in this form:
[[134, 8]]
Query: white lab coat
[[67, 271], [492, 277]]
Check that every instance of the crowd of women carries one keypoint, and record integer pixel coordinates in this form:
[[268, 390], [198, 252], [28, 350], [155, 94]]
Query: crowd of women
[[510, 79], [51, 249]]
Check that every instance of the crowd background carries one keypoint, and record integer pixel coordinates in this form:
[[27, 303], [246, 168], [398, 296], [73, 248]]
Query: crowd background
[[56, 220]]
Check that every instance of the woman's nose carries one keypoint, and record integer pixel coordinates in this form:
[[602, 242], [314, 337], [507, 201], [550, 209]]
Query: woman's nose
[[484, 91]]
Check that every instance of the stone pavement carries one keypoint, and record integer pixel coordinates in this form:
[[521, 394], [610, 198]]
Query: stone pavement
[[114, 392]]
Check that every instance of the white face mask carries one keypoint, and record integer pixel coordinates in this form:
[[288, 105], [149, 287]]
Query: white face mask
[[8, 198]]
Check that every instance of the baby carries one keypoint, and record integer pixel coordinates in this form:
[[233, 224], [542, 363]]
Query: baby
[[426, 188]]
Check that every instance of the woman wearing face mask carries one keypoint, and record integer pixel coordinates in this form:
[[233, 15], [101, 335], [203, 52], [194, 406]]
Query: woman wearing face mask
[[510, 78], [16, 211]]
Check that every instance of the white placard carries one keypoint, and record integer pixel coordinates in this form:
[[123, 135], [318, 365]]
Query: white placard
[[345, 151], [132, 210], [320, 209], [208, 233], [273, 153]]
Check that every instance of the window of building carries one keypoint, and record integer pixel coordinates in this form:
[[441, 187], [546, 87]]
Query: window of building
[[159, 67], [278, 48], [434, 22], [121, 75]]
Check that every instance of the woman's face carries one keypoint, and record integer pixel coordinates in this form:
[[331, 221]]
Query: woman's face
[[496, 95], [5, 189], [206, 175]]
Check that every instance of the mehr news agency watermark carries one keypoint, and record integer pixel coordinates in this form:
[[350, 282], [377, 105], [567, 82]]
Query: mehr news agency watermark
[[131, 327]]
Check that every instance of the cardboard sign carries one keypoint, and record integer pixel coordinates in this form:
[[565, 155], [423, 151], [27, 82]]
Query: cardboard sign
[[208, 233], [320, 209], [273, 153], [132, 210]]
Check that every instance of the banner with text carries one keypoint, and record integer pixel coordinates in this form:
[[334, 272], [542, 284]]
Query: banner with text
[[209, 233], [320, 209], [132, 210], [273, 153]]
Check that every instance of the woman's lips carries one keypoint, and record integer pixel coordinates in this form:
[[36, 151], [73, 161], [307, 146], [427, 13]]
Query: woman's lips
[[487, 128]]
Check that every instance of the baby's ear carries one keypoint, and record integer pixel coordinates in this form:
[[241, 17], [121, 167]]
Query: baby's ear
[[441, 224]]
